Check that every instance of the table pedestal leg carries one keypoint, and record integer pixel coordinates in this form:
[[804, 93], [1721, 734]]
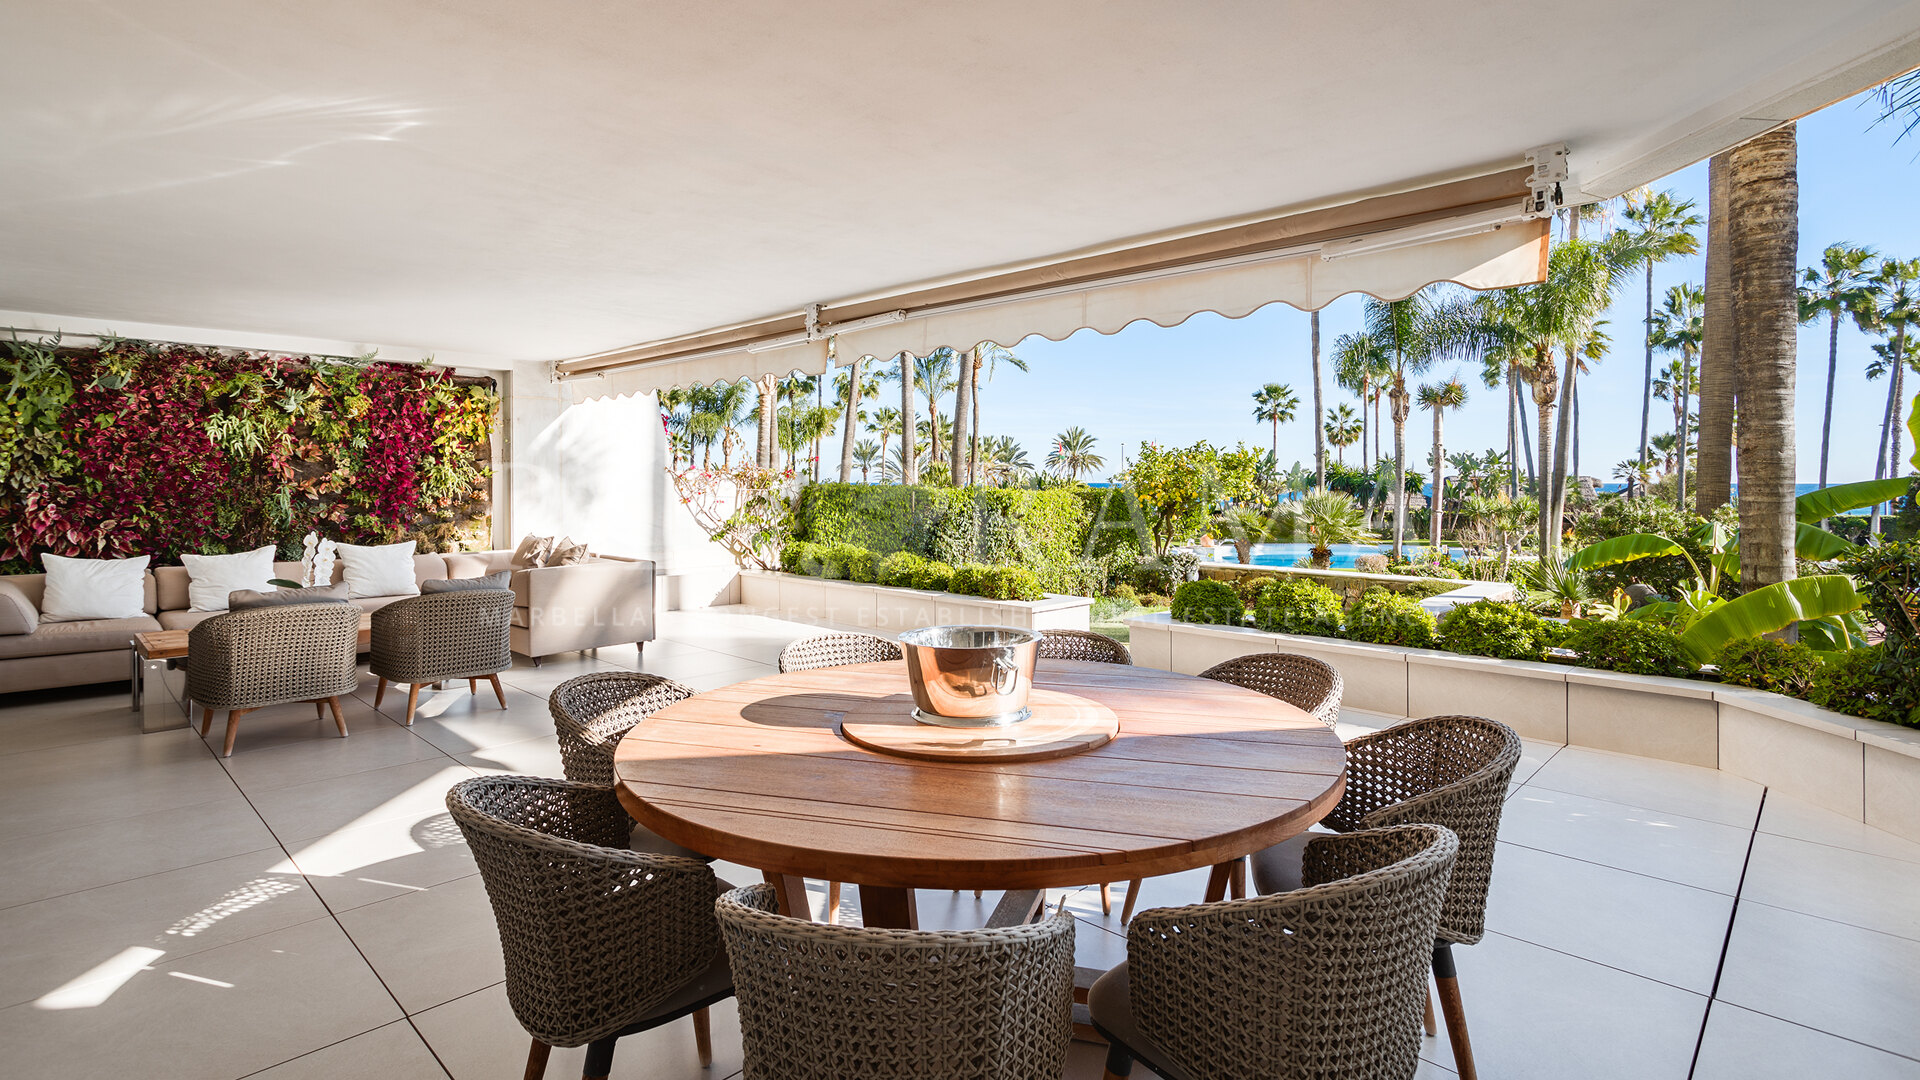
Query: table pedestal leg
[[888, 908], [791, 894]]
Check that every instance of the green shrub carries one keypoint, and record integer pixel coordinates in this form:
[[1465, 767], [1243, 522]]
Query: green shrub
[[1124, 592], [1498, 628], [1297, 606], [1108, 609], [899, 568], [1420, 590], [1764, 664], [1387, 618], [1637, 648], [1620, 517], [1869, 684], [1429, 568], [933, 575], [835, 560], [864, 567], [1248, 586], [1154, 601], [1212, 602], [967, 578], [1163, 575], [801, 557], [1009, 581], [1036, 528]]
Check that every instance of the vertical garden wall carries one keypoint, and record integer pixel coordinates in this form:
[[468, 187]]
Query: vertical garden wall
[[132, 448]]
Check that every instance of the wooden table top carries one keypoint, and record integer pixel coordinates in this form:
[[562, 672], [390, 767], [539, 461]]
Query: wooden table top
[[1201, 772], [168, 644]]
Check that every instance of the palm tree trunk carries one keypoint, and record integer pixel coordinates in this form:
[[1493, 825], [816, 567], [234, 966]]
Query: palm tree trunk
[[1545, 389], [853, 410], [1562, 449], [933, 426], [1719, 354], [1513, 445], [1880, 456], [1526, 441], [1684, 405], [1439, 483], [1363, 424], [973, 426], [1826, 418], [962, 399], [1891, 426], [1319, 413], [909, 466], [1398, 407], [1646, 386], [1573, 406], [766, 442], [1765, 234]]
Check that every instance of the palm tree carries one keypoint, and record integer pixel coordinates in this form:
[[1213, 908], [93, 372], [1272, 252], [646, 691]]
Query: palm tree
[[1668, 445], [1839, 287], [1406, 331], [1342, 430], [1440, 397], [1319, 411], [1719, 350], [1895, 306], [1072, 454], [909, 471], [884, 422], [1763, 226], [933, 376], [1275, 403], [1003, 461], [989, 356], [866, 454], [1666, 229], [1327, 518], [1360, 364], [850, 389], [1679, 326]]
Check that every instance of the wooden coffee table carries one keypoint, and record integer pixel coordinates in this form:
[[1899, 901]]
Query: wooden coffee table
[[1200, 774], [158, 674]]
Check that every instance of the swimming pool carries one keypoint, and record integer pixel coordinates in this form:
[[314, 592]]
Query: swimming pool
[[1343, 554]]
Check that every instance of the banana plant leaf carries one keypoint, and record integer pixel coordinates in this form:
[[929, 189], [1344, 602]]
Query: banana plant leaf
[[1810, 543], [1625, 549], [1773, 607], [1840, 498]]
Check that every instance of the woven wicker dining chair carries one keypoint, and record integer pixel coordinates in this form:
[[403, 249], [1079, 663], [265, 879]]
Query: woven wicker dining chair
[[247, 660], [1443, 770], [1082, 645], [600, 942], [822, 1002], [837, 650], [1320, 982], [440, 637], [592, 713], [1301, 681]]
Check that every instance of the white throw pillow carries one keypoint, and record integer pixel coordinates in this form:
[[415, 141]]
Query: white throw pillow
[[93, 588], [385, 570], [211, 577]]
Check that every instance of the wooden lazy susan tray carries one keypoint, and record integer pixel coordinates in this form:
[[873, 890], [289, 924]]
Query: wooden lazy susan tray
[[1061, 724]]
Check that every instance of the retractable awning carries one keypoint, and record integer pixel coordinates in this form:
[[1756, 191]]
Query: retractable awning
[[1482, 232]]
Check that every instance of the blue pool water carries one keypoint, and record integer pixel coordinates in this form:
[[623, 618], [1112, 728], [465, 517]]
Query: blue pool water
[[1343, 554]]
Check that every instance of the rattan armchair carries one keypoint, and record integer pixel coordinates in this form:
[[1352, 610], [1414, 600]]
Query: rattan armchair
[[599, 941], [1082, 645], [836, 650], [1301, 681], [822, 1002], [442, 636], [247, 660], [592, 713], [1443, 770], [1324, 981]]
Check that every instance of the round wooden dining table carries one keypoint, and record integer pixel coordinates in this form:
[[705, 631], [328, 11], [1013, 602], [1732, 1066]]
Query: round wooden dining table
[[758, 773]]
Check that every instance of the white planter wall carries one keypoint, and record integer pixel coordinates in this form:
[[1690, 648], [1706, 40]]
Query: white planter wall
[[887, 610], [1864, 769]]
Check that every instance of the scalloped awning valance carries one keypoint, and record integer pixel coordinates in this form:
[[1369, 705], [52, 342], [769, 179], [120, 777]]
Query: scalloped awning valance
[[1472, 232]]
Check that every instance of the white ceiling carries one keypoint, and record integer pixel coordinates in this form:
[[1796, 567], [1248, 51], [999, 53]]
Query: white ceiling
[[482, 178]]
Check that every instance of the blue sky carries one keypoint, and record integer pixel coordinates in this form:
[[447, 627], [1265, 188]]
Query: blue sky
[[1194, 381]]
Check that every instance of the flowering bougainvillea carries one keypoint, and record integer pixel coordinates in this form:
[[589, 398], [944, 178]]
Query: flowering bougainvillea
[[141, 448]]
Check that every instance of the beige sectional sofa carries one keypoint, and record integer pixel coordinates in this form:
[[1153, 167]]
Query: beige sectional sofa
[[605, 601]]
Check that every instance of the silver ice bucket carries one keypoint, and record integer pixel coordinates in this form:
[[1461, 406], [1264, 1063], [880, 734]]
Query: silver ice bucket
[[970, 676]]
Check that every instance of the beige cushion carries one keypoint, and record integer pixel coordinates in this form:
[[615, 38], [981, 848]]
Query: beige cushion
[[19, 615], [77, 636], [567, 553], [185, 620], [501, 580], [531, 549], [1110, 1003], [245, 599]]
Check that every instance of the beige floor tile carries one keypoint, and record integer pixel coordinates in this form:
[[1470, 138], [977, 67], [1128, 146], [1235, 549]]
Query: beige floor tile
[[477, 1038], [1825, 975], [392, 1052], [350, 868], [460, 724], [1653, 928], [1692, 851], [305, 811], [713, 680], [66, 786], [1534, 1012], [1783, 816], [539, 756], [430, 946], [1743, 1045], [373, 742], [49, 864], [46, 719], [541, 680], [1870, 891], [226, 1012], [180, 912], [293, 725], [691, 663], [1657, 785]]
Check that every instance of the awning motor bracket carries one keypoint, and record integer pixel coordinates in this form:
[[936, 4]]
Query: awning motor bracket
[[1548, 165]]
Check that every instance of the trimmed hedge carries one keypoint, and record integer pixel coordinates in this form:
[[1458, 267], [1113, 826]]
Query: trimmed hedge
[[1211, 602], [1867, 683], [1499, 628], [1297, 606], [1765, 664], [1388, 618], [900, 568], [1043, 529], [1631, 646]]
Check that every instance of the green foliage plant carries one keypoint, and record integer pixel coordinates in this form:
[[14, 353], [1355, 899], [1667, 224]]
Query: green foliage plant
[[1045, 530], [933, 576], [864, 566], [899, 569], [1868, 684], [1212, 602], [1177, 489], [1322, 519], [1765, 664], [803, 557], [968, 579], [1293, 605], [1636, 648], [1499, 628], [836, 561], [1388, 618]]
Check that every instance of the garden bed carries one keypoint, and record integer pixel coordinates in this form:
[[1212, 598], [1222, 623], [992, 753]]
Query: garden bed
[[1865, 769], [890, 609]]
